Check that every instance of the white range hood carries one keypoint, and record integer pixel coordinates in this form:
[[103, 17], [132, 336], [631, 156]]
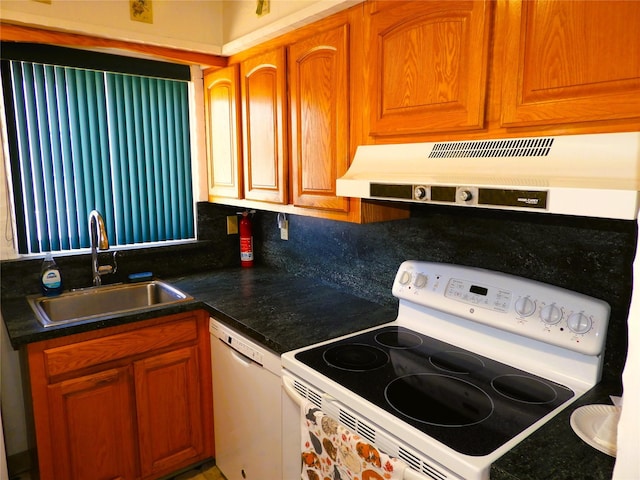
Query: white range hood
[[589, 175]]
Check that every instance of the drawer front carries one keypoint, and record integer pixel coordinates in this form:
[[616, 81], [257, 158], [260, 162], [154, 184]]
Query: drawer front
[[68, 358]]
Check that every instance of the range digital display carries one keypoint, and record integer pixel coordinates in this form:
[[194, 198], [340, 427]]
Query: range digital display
[[478, 290]]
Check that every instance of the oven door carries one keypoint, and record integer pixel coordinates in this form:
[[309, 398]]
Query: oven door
[[299, 392]]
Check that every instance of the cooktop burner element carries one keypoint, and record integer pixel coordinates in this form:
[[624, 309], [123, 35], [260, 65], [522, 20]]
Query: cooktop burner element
[[468, 402], [524, 389], [439, 400], [399, 339], [456, 362], [355, 357]]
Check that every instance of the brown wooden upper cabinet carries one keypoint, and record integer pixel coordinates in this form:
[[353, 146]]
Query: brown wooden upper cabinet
[[569, 62], [264, 101], [427, 66], [301, 108], [319, 115], [224, 144]]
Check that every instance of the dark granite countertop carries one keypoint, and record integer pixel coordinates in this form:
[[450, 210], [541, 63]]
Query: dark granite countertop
[[279, 310], [284, 312]]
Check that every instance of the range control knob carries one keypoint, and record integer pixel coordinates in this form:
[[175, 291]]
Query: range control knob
[[551, 314], [405, 277], [420, 281], [579, 322], [465, 195], [525, 306], [420, 192]]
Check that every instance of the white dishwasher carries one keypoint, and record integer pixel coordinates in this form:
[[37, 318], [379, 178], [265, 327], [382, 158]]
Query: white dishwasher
[[247, 399]]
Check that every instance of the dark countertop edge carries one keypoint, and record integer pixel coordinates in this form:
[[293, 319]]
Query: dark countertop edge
[[39, 333], [21, 313], [24, 328]]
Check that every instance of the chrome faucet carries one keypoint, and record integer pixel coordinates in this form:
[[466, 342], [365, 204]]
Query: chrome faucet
[[99, 241]]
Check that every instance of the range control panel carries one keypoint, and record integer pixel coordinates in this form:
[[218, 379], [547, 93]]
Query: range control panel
[[519, 305]]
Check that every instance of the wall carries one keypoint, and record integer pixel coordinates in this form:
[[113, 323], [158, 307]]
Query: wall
[[183, 24], [244, 29], [215, 26]]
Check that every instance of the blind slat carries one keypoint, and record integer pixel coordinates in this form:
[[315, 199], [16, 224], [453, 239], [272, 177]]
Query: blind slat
[[54, 186], [74, 116], [37, 121], [71, 236]]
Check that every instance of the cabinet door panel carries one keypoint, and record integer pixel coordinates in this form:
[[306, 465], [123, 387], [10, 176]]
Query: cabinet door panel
[[429, 63], [92, 422], [169, 410], [319, 103], [222, 101], [571, 62], [264, 132]]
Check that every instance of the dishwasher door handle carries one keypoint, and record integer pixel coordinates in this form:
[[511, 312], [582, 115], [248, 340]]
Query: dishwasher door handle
[[239, 357]]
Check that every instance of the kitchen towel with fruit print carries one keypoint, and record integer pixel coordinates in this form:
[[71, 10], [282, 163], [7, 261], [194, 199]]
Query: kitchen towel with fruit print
[[331, 452]]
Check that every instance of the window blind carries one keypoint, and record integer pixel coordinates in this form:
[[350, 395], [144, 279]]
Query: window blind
[[86, 139]]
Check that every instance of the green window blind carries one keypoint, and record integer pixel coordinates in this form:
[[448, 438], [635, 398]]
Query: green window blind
[[86, 139]]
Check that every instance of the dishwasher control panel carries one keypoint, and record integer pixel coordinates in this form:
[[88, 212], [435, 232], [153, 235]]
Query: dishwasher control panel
[[244, 346]]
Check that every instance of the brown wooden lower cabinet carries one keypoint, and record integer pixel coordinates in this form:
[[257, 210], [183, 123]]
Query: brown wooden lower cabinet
[[128, 402]]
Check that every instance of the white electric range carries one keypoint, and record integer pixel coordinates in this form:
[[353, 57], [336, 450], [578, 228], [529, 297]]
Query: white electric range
[[475, 361]]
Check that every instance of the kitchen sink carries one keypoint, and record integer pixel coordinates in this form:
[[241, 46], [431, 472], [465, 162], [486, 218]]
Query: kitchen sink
[[95, 302]]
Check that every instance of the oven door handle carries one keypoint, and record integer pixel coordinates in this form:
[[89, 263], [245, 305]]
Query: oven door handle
[[288, 385]]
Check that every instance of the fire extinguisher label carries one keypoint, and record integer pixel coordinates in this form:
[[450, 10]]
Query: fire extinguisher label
[[246, 249]]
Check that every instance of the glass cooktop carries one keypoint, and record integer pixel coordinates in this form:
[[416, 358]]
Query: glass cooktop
[[466, 401]]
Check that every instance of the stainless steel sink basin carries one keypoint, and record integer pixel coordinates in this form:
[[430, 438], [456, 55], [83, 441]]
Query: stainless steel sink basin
[[94, 302]]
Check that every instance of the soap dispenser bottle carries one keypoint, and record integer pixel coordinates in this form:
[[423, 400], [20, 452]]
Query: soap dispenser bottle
[[50, 278]]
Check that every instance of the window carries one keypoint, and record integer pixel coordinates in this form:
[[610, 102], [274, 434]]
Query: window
[[81, 137]]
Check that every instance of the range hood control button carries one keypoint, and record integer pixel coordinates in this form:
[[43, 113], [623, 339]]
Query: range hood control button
[[465, 195], [420, 192]]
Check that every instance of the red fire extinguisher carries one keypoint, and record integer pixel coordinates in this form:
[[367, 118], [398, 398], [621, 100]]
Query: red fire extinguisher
[[246, 240]]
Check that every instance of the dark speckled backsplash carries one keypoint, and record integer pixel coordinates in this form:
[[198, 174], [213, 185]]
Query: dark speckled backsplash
[[591, 256]]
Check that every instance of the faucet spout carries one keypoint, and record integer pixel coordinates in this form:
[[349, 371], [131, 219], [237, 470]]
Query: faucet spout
[[99, 241]]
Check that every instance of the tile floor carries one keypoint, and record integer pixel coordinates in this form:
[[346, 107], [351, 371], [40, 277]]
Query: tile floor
[[206, 472]]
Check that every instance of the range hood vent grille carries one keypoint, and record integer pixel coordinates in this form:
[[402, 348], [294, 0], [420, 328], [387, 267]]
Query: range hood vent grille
[[527, 147]]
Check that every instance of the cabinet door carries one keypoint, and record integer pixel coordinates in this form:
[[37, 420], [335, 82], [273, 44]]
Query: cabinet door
[[319, 112], [567, 62], [92, 420], [222, 105], [169, 411], [428, 62], [264, 131]]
